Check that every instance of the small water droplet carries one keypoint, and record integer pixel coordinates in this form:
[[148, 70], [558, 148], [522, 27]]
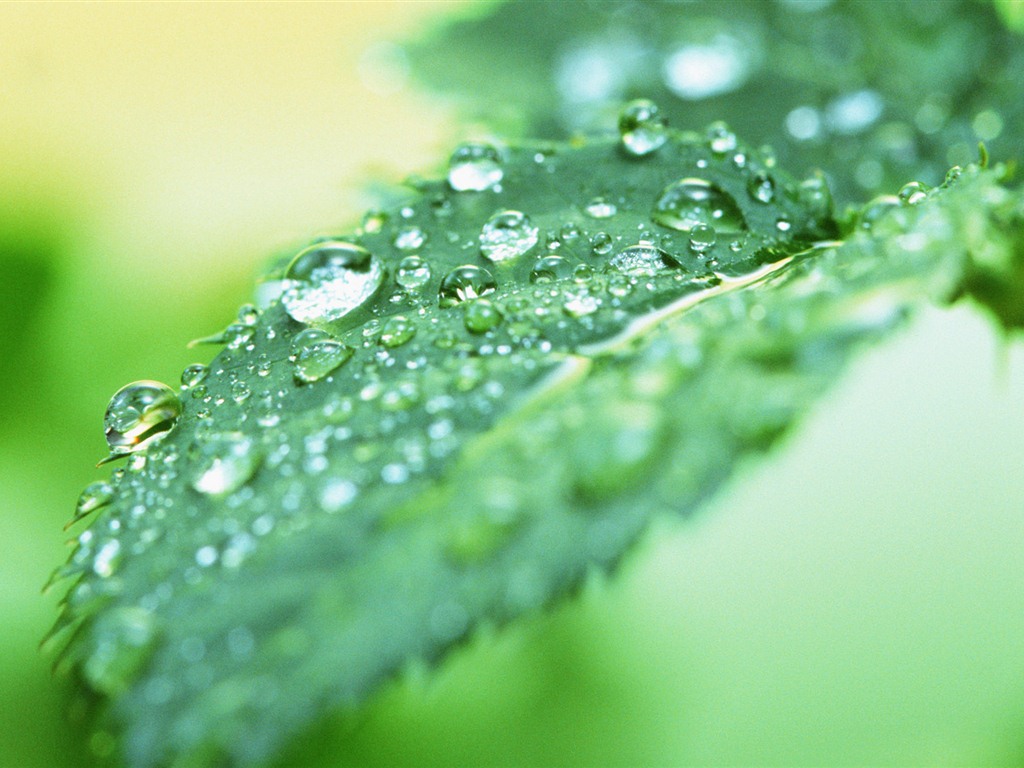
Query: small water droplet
[[413, 272], [761, 187], [550, 268], [317, 354], [913, 193], [480, 316], [506, 235], [600, 208], [329, 280], [396, 331], [569, 231], [581, 273], [684, 204], [642, 127], [374, 221], [876, 209], [474, 166], [248, 314], [463, 283], [138, 414], [193, 374], [643, 258], [95, 496], [702, 237], [952, 175], [410, 238], [783, 224], [580, 304], [721, 139], [601, 243], [224, 463]]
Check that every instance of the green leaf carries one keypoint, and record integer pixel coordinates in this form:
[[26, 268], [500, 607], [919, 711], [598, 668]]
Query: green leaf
[[873, 93], [320, 518]]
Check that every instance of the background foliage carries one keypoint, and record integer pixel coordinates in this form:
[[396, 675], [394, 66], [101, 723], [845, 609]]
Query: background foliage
[[854, 600]]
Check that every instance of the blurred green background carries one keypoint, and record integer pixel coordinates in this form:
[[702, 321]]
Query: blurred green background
[[856, 599]]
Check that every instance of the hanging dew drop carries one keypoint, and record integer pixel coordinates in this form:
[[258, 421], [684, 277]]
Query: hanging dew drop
[[139, 414], [224, 463], [642, 259], [317, 354], [684, 204], [507, 235], [329, 280], [475, 167], [464, 283], [95, 496], [413, 273], [642, 128]]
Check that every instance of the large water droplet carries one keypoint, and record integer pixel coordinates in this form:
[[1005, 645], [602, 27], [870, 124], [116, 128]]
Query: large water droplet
[[642, 127], [506, 235], [138, 414], [329, 280], [464, 283], [684, 204], [702, 238], [224, 463], [474, 166], [642, 259], [413, 272], [317, 354]]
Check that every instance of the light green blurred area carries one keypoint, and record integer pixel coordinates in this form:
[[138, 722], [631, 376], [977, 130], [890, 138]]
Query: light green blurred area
[[855, 599]]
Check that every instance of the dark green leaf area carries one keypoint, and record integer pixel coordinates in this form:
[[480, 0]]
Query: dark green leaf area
[[324, 515], [873, 93]]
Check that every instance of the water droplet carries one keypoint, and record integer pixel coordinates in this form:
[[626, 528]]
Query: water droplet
[[193, 374], [642, 127], [410, 238], [396, 331], [329, 280], [643, 258], [480, 316], [234, 336], [702, 238], [913, 193], [413, 272], [464, 283], [474, 166], [248, 314], [600, 208], [240, 391], [506, 235], [138, 414], [95, 496], [601, 243], [721, 140], [684, 204], [569, 231], [224, 463], [581, 273], [317, 354], [580, 304], [374, 221], [761, 187], [952, 175], [550, 268], [783, 224]]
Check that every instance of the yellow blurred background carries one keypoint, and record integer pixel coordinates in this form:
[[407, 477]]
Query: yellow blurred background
[[855, 600]]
